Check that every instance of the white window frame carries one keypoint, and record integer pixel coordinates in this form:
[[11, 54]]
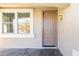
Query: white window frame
[[15, 34]]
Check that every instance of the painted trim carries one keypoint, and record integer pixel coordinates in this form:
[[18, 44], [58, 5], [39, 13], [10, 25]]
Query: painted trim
[[5, 36]]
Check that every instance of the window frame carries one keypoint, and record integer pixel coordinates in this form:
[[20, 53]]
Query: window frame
[[15, 34]]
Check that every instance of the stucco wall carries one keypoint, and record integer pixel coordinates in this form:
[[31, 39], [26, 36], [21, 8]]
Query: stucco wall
[[68, 30]]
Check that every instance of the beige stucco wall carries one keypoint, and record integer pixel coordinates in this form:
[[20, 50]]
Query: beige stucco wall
[[68, 30]]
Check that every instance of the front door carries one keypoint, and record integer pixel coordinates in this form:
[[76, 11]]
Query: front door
[[50, 28]]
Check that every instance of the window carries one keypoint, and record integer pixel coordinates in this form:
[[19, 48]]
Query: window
[[17, 22]]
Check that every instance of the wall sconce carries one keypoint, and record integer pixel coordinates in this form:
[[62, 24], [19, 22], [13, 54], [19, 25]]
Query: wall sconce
[[60, 17]]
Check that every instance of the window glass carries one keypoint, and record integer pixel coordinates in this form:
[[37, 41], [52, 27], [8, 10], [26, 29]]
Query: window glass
[[7, 28], [23, 22], [8, 17], [7, 22]]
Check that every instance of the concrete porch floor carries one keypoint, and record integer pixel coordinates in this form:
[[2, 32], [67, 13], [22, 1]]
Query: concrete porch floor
[[29, 52]]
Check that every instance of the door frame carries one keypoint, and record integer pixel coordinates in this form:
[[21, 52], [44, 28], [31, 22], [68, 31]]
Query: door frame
[[43, 29]]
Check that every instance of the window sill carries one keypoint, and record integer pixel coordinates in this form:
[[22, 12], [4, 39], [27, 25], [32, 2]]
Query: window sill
[[5, 36]]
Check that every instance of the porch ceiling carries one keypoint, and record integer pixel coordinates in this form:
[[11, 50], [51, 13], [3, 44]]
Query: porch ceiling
[[33, 5]]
